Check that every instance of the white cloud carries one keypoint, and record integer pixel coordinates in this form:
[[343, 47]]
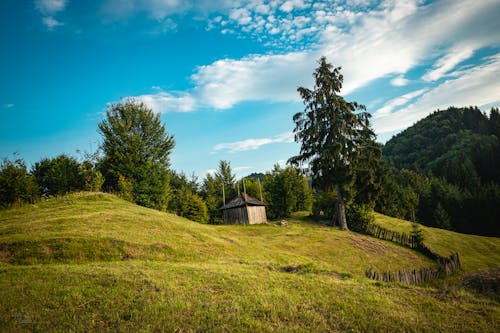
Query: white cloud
[[263, 77], [448, 62], [51, 22], [50, 7], [241, 15], [290, 5], [254, 144], [155, 9], [163, 102], [390, 40], [242, 168], [8, 106], [387, 41], [396, 102], [211, 172], [399, 81], [476, 86]]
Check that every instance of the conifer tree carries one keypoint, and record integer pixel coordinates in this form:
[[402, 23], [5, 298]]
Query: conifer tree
[[332, 132]]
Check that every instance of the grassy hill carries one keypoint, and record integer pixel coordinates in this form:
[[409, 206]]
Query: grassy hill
[[93, 262]]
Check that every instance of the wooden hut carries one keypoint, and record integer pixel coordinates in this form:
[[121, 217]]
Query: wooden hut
[[244, 209]]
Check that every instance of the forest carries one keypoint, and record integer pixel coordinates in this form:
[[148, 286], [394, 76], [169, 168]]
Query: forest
[[443, 172]]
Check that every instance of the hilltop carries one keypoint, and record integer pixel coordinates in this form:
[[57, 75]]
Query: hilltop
[[92, 261]]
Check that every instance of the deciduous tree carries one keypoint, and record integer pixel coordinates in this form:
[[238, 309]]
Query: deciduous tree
[[137, 146]]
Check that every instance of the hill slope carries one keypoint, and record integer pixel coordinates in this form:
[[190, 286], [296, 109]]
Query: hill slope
[[95, 262], [454, 156], [459, 144]]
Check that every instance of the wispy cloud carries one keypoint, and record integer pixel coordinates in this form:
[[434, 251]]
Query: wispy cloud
[[447, 63], [475, 86], [48, 9], [253, 144], [397, 102], [383, 42], [164, 102], [51, 22], [399, 81]]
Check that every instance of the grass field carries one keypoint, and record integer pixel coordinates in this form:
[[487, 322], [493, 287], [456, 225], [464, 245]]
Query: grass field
[[93, 262]]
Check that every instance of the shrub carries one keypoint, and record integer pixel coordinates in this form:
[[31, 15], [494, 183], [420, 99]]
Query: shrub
[[16, 184]]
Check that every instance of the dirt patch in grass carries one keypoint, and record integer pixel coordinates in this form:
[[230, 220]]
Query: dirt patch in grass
[[370, 245], [485, 282], [311, 268]]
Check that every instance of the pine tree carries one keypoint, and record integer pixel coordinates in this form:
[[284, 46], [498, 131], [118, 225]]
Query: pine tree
[[332, 133]]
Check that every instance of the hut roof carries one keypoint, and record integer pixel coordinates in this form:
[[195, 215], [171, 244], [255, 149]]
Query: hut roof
[[242, 200]]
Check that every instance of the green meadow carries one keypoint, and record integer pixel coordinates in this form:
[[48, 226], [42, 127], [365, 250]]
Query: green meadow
[[94, 262]]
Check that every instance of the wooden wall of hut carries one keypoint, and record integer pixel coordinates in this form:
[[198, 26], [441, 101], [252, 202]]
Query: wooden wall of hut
[[257, 214], [245, 215], [237, 215]]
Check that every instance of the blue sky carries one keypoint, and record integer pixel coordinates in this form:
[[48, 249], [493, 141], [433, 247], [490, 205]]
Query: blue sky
[[223, 74]]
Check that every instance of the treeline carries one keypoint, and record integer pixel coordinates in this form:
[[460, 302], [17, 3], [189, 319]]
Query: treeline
[[444, 172], [284, 190], [133, 162], [47, 177]]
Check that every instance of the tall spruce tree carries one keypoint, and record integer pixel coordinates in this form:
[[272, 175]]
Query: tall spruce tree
[[136, 150], [332, 132]]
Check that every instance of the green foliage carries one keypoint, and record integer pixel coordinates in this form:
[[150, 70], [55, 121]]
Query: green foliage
[[401, 192], [137, 146], [286, 191], [335, 135], [125, 188], [215, 187], [417, 233], [440, 217], [253, 188], [324, 204], [359, 216], [457, 154], [89, 168], [17, 186], [58, 175], [460, 145], [194, 208], [185, 201]]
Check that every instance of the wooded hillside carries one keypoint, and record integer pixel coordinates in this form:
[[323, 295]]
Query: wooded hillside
[[453, 155]]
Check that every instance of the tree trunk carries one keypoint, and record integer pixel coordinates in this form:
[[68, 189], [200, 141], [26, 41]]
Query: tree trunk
[[340, 211]]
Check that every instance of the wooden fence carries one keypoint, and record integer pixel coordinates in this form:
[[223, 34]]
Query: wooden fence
[[393, 236], [401, 238], [446, 266]]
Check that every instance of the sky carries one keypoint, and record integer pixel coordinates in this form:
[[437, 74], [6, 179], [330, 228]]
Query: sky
[[224, 74]]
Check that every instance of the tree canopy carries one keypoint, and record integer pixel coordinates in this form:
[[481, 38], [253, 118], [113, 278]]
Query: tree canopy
[[136, 148]]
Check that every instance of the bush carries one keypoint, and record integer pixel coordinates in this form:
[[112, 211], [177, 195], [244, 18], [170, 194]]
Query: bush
[[16, 184], [324, 205], [59, 175], [358, 217], [125, 188], [417, 234]]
